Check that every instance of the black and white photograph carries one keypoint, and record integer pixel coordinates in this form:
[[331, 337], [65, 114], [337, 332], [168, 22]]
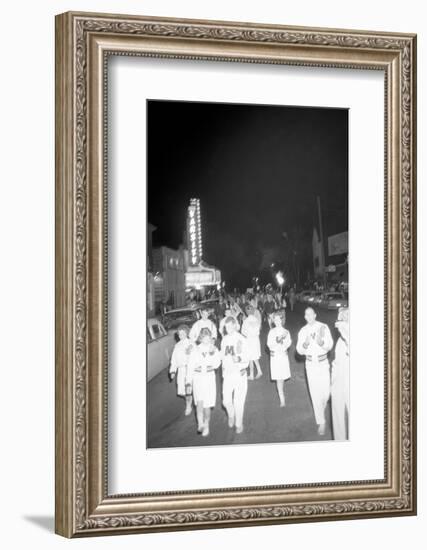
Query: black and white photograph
[[247, 274]]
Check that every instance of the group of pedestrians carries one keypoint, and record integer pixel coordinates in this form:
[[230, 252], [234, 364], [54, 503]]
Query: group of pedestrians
[[194, 361], [235, 347]]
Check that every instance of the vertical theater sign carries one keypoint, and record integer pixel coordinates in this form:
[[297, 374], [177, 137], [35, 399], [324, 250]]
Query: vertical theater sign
[[199, 275], [194, 232]]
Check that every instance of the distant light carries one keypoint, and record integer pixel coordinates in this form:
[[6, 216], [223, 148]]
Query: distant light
[[279, 278]]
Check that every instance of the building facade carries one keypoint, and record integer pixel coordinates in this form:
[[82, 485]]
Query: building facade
[[151, 306], [169, 277], [333, 266], [338, 258]]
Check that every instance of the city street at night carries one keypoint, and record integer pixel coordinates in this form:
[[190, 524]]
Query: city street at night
[[264, 420], [255, 220]]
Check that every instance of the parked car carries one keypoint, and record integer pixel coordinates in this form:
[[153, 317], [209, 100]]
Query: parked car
[[316, 298], [304, 295], [160, 344], [184, 315], [335, 300]]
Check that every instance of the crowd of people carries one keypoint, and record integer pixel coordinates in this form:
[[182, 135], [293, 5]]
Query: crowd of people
[[230, 339]]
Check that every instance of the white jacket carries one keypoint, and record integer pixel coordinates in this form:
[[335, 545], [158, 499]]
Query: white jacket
[[314, 340], [201, 358], [180, 355], [234, 353], [202, 323]]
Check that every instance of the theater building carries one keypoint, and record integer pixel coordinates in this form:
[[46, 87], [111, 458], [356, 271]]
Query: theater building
[[199, 276]]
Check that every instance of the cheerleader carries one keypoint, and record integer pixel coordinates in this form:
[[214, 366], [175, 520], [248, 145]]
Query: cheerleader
[[256, 311], [203, 361], [278, 342], [222, 330], [234, 372], [235, 309], [178, 366], [203, 322], [340, 378], [251, 328]]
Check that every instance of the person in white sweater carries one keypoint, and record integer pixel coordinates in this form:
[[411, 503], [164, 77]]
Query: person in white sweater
[[278, 342], [178, 367], [340, 378], [203, 322], [234, 371], [203, 361], [222, 330], [314, 342], [250, 329]]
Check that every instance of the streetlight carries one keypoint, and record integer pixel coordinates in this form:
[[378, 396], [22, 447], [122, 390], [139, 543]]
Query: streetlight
[[280, 280]]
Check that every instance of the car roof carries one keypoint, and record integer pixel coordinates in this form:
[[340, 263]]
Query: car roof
[[182, 309]]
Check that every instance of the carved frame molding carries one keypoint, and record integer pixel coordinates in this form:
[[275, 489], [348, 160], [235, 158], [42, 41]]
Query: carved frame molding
[[83, 43]]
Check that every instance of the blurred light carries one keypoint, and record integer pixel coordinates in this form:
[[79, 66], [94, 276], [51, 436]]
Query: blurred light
[[279, 278]]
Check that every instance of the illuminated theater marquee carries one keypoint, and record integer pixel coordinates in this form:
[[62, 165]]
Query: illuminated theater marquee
[[194, 232]]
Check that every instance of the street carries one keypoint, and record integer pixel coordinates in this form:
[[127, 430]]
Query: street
[[264, 420]]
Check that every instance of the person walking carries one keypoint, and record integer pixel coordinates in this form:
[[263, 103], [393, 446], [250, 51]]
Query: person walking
[[314, 342], [203, 361], [250, 329], [255, 307], [222, 329], [220, 307], [234, 371], [269, 308], [235, 309], [292, 298], [278, 342], [340, 378], [203, 322], [178, 367]]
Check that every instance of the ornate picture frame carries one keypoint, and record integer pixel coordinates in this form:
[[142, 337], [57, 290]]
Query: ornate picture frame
[[83, 43]]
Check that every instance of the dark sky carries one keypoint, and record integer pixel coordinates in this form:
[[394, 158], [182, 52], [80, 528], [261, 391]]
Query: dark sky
[[257, 171]]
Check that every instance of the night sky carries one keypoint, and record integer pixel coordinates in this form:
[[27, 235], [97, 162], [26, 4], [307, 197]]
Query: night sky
[[257, 171]]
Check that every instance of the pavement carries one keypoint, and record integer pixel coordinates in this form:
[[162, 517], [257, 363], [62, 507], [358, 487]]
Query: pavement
[[264, 420]]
